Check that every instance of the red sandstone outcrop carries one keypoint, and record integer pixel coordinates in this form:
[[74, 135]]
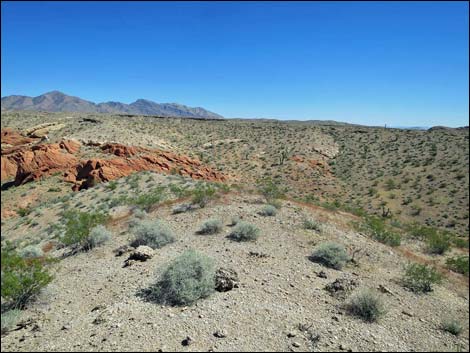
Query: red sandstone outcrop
[[13, 138]]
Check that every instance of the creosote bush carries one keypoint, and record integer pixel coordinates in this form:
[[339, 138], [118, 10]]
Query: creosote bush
[[79, 224], [152, 233], [189, 277], [366, 305], [268, 210], [211, 226], [202, 194], [420, 278], [331, 255], [98, 236], [244, 231], [22, 279], [458, 264]]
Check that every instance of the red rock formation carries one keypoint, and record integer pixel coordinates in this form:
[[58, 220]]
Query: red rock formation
[[29, 163], [93, 171], [10, 137], [32, 162]]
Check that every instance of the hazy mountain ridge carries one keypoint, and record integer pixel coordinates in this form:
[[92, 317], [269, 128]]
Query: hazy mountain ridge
[[56, 101]]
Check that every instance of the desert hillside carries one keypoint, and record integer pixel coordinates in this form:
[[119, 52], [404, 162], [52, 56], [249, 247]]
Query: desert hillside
[[162, 234]]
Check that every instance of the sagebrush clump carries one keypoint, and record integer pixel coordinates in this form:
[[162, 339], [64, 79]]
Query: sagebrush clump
[[211, 226], [9, 319], [312, 224], [331, 255], [268, 211], [189, 277], [31, 252], [98, 236], [366, 305], [452, 326], [420, 278], [155, 234], [244, 231]]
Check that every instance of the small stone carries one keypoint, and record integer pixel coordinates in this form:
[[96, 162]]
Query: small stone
[[220, 334], [407, 313], [296, 344], [65, 327], [291, 334], [322, 274], [187, 341]]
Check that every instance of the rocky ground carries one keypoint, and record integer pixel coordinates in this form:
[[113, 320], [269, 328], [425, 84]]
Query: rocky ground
[[281, 304]]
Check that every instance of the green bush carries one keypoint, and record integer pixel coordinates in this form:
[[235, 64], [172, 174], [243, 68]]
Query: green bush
[[211, 226], [268, 210], [9, 319], [458, 264], [367, 305], [270, 190], [98, 235], [22, 279], [452, 326], [152, 233], [420, 278], [147, 200], [312, 224], [378, 230], [330, 255], [79, 224], [244, 231], [189, 277], [438, 243], [202, 194]]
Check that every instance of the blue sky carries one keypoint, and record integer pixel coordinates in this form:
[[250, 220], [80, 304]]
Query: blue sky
[[362, 62]]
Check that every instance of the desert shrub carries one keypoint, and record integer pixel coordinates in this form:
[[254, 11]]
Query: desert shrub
[[234, 220], [211, 226], [331, 255], [420, 278], [244, 231], [377, 229], [185, 207], [202, 194], [22, 279], [270, 190], [140, 214], [367, 305], [438, 243], [31, 251], [9, 319], [147, 200], [79, 224], [452, 326], [268, 210], [98, 235], [189, 277], [152, 233], [458, 264], [312, 224]]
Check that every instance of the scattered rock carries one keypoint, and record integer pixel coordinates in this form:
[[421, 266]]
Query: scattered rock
[[384, 289], [291, 334], [187, 341], [123, 249], [142, 253], [226, 279], [322, 274], [220, 334], [341, 286], [296, 344]]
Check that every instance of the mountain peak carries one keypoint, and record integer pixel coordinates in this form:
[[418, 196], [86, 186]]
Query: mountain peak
[[56, 101]]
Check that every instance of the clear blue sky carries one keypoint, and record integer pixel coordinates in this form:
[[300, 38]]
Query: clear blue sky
[[363, 62]]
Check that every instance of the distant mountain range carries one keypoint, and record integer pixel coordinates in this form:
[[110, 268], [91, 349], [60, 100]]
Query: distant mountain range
[[56, 101]]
